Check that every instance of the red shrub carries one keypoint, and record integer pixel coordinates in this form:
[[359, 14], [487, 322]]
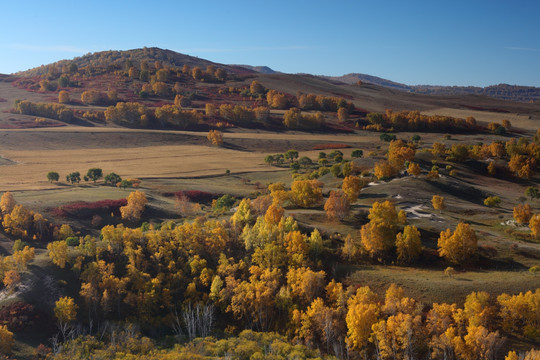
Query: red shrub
[[19, 316], [82, 208]]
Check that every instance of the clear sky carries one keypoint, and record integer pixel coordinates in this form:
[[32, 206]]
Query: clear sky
[[437, 42]]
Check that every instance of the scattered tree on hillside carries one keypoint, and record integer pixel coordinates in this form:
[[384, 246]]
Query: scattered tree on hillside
[[438, 202], [534, 225], [521, 166], [7, 202], [492, 201], [112, 179], [94, 174], [458, 246], [63, 97], [414, 169], [408, 244], [65, 311], [256, 87], [74, 177], [522, 213], [351, 187], [210, 109], [136, 201], [357, 153], [379, 235], [58, 252], [215, 137], [306, 193], [337, 205], [491, 168], [124, 183], [53, 176], [383, 170], [532, 192], [342, 114]]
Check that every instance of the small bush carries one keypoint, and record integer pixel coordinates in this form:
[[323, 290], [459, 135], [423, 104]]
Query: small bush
[[387, 137], [224, 203], [72, 241], [450, 271], [492, 201]]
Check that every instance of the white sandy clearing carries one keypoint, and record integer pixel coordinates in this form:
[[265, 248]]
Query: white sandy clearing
[[416, 211]]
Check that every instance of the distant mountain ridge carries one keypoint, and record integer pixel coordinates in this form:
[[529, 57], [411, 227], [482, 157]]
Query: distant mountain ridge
[[500, 91]]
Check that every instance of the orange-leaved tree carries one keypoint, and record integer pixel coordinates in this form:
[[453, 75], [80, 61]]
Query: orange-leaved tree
[[522, 213], [337, 206]]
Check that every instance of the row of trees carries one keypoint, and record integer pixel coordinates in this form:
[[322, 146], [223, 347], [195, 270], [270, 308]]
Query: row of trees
[[94, 174], [415, 121], [136, 114], [52, 111]]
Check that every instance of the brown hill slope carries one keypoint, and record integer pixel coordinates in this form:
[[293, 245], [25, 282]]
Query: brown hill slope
[[108, 70]]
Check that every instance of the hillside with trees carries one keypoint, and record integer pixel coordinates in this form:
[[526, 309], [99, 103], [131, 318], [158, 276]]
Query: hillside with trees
[[155, 205]]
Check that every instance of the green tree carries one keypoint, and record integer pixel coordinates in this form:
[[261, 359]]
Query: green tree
[[112, 179], [291, 155], [224, 203], [94, 174], [53, 176], [74, 177], [357, 153], [532, 192], [124, 184]]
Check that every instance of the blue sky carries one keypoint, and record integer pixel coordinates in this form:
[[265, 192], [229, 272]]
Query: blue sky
[[414, 42]]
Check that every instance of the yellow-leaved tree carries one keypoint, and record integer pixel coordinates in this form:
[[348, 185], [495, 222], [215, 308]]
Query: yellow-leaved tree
[[6, 340], [351, 187], [136, 201], [458, 246], [408, 244], [7, 203], [379, 235], [363, 310], [65, 311], [438, 202], [58, 252], [414, 169], [306, 193], [534, 225]]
